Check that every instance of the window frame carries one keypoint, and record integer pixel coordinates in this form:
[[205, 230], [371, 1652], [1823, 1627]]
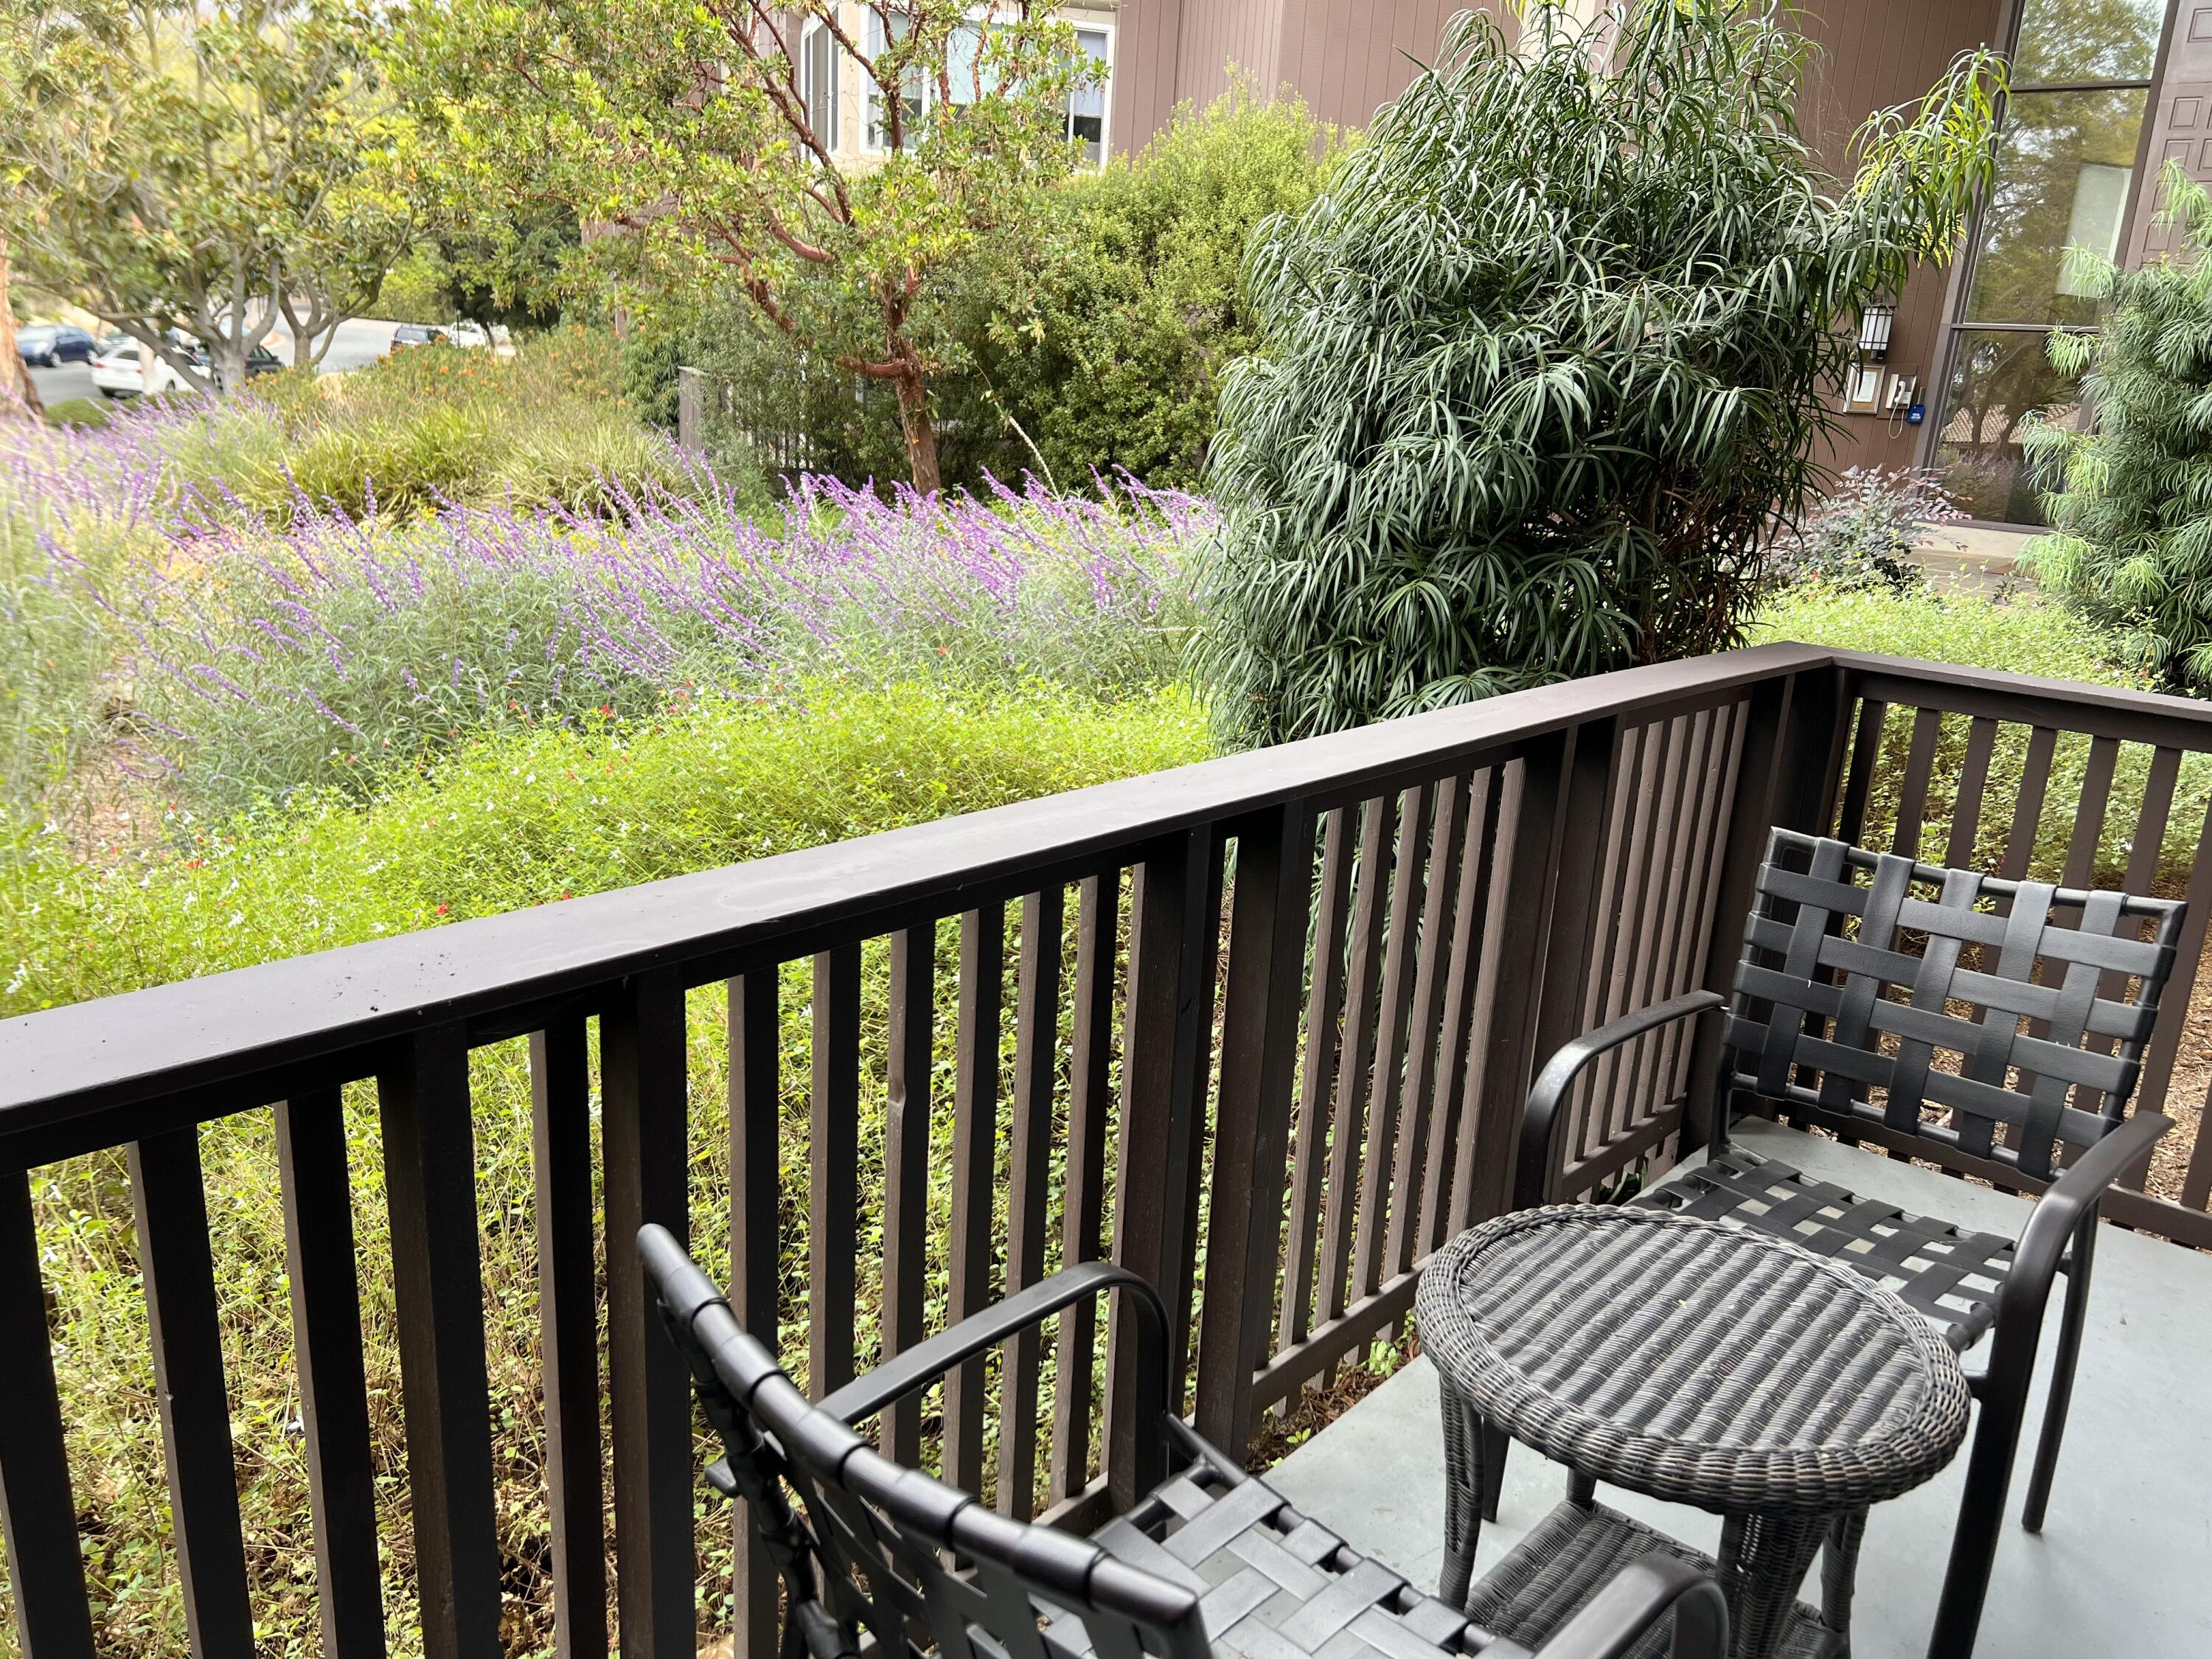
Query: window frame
[[816, 33], [1959, 290]]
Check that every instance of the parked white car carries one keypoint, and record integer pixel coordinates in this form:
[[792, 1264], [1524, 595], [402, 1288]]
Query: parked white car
[[117, 372]]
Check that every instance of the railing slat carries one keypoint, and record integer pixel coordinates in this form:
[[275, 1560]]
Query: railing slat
[[1037, 1066], [1634, 1097], [429, 1178], [1259, 1073], [326, 1293], [2027, 806], [1703, 917], [756, 1247], [1628, 919], [1866, 753], [1161, 1041], [1973, 785], [1386, 1088], [642, 1130], [975, 1173], [1440, 1191], [1355, 1065], [1430, 973], [38, 1510], [177, 1265], [906, 1169], [833, 1187], [1082, 1201], [569, 1334], [1317, 1077], [2089, 815], [1912, 793]]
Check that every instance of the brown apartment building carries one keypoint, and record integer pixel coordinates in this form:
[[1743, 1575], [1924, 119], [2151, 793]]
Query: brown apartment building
[[2107, 91]]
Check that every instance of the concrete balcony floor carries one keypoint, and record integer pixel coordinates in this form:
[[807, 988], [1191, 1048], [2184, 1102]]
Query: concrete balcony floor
[[2123, 1565]]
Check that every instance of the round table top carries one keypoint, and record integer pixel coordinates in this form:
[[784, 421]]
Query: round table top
[[1692, 1360]]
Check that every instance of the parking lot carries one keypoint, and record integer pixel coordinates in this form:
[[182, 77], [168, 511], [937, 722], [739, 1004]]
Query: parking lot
[[359, 342]]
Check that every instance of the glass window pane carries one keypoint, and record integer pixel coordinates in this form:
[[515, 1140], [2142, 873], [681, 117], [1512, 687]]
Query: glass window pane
[[1997, 380], [818, 57], [1087, 104], [2087, 41], [2065, 163]]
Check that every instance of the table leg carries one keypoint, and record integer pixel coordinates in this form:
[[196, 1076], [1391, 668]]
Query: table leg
[[1763, 1560], [1465, 1434], [1840, 1570]]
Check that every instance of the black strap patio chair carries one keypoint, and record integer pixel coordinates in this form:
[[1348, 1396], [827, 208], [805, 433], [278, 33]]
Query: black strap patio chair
[[1995, 1027], [879, 1558]]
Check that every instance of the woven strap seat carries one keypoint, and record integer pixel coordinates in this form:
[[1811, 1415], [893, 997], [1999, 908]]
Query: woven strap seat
[[1694, 1361], [1947, 1273], [1275, 1584]]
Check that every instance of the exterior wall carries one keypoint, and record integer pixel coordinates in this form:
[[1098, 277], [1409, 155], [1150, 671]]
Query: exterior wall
[[1877, 53]]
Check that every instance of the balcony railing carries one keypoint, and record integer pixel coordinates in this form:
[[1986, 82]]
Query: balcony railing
[[1276, 1060]]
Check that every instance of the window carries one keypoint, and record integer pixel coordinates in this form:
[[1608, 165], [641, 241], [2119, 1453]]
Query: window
[[1087, 104], [2065, 178], [818, 82]]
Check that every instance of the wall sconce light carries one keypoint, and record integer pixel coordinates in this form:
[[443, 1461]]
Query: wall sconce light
[[1875, 324]]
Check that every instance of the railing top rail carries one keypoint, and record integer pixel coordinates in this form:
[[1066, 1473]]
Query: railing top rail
[[2139, 716], [204, 1033]]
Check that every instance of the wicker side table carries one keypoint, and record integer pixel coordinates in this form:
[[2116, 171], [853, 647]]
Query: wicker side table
[[1696, 1363]]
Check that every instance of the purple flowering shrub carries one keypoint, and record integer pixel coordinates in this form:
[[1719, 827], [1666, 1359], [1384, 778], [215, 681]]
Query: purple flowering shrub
[[345, 647]]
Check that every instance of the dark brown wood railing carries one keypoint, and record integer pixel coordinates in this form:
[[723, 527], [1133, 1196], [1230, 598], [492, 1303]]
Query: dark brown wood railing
[[1272, 1020]]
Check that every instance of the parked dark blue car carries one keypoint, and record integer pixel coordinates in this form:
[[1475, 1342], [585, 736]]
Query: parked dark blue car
[[49, 345]]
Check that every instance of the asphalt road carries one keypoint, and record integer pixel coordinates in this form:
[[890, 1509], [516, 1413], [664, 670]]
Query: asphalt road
[[359, 342]]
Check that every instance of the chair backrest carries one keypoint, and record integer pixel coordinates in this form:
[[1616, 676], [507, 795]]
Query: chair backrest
[[1975, 1005], [872, 1548]]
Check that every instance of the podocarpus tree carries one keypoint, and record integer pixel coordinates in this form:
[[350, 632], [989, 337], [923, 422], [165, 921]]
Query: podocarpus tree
[[2130, 547], [199, 169], [1546, 368], [693, 128]]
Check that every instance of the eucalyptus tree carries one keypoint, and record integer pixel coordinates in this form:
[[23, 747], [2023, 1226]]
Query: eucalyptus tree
[[199, 168], [1546, 368], [693, 137], [2130, 547]]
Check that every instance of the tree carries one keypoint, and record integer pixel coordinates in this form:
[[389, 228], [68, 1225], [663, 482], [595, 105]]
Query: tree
[[1542, 372], [202, 168], [2130, 507], [688, 127], [1103, 340]]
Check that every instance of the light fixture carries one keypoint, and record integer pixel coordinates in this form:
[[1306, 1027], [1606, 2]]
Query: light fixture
[[1875, 324]]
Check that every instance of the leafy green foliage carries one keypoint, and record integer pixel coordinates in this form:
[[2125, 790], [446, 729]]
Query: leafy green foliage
[[1539, 366], [204, 167], [1105, 343], [2130, 547], [682, 125]]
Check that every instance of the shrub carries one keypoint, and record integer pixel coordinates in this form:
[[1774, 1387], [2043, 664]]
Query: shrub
[[348, 650], [1107, 342], [2130, 547], [1541, 364], [1858, 536]]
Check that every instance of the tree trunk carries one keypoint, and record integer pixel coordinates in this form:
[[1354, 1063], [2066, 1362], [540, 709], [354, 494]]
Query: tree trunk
[[227, 365], [921, 431], [17, 373]]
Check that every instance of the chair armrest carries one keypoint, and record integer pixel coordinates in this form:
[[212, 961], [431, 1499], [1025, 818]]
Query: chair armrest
[[924, 1362], [1638, 1597], [1540, 1117], [2052, 1223]]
